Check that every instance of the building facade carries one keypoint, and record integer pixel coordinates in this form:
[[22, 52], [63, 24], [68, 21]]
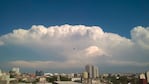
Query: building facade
[[93, 71], [147, 77]]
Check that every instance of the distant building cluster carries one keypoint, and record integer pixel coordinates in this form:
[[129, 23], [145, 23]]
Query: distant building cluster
[[90, 75], [9, 77]]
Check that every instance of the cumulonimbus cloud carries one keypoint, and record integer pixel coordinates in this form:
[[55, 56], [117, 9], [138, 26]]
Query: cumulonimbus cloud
[[72, 44]]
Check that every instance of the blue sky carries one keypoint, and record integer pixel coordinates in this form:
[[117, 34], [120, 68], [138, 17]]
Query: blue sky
[[117, 22], [117, 16]]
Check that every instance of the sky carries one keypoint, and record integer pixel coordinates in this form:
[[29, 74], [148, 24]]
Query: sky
[[65, 35]]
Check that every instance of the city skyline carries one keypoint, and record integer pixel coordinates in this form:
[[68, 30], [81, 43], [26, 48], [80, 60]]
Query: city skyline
[[66, 35]]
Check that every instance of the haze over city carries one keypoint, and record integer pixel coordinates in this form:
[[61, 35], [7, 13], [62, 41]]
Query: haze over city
[[65, 35]]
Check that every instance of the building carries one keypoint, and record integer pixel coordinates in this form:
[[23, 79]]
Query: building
[[39, 73], [95, 72], [76, 79], [142, 79], [0, 73], [88, 69], [16, 70], [92, 71], [147, 77], [42, 80], [85, 77], [5, 79], [93, 75]]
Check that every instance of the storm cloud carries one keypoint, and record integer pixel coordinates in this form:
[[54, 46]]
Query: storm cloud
[[73, 46]]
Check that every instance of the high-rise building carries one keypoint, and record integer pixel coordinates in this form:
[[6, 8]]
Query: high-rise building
[[147, 77], [0, 73], [95, 72], [92, 71], [89, 70]]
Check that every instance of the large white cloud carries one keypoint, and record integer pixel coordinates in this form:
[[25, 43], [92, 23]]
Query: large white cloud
[[93, 51], [70, 46], [140, 36]]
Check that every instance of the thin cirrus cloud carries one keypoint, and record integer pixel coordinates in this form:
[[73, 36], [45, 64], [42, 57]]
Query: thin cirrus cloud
[[69, 46]]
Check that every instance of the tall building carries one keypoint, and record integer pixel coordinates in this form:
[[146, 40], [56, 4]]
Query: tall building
[[89, 70], [0, 73], [95, 72], [92, 71], [147, 77]]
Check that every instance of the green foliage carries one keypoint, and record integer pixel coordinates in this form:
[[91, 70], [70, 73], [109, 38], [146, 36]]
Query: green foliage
[[54, 78], [51, 79], [123, 80], [63, 78]]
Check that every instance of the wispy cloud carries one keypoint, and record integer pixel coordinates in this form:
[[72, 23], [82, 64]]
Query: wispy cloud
[[45, 64]]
